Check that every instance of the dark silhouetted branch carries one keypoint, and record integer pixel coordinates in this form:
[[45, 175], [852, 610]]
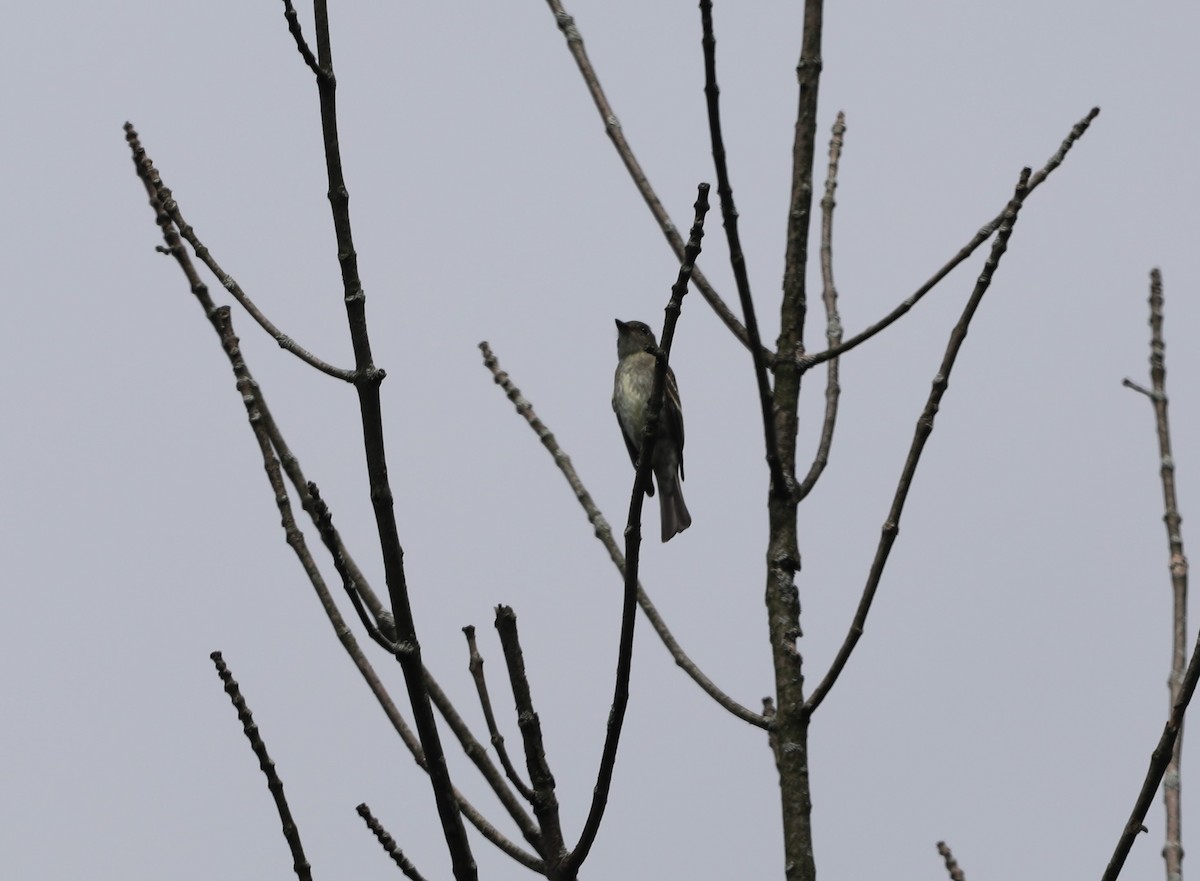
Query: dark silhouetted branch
[[274, 784], [956, 874], [485, 703], [545, 803], [367, 380], [633, 543], [737, 259], [389, 844]]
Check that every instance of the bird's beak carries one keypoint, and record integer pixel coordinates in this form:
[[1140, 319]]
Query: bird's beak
[[620, 325]]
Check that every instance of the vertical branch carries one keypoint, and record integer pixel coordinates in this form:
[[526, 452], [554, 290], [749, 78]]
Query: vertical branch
[[783, 553], [808, 74], [367, 379], [633, 541], [737, 258], [1172, 846], [833, 321], [541, 780]]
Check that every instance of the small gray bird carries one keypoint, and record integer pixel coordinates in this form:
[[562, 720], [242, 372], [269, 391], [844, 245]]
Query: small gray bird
[[631, 395]]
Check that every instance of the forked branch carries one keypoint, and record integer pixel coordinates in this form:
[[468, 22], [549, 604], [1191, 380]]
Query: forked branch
[[1166, 756], [367, 380], [941, 382], [985, 232]]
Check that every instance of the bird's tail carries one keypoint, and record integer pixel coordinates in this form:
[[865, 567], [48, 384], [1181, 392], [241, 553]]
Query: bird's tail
[[675, 516]]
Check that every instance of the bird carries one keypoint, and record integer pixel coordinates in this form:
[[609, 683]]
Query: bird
[[631, 396]]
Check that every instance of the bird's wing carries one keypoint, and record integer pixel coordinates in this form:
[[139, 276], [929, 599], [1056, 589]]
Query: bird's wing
[[673, 414], [629, 444]]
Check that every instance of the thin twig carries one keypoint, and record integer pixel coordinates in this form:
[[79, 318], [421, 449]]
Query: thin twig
[[293, 22], [285, 342], [323, 518], [299, 863], [604, 532], [956, 874], [612, 128], [737, 259], [389, 844], [833, 321], [1173, 846], [475, 663], [984, 233], [633, 542], [545, 803], [354, 580], [1177, 560], [941, 381]]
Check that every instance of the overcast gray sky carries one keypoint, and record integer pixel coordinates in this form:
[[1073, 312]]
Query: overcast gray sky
[[1011, 683]]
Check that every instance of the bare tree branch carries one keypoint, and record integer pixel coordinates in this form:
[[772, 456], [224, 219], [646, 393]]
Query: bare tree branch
[[956, 874], [782, 597], [737, 258], [485, 702], [541, 780], [389, 844], [604, 532], [285, 342], [1159, 759], [1177, 559], [985, 232], [293, 22], [471, 747], [941, 381], [299, 863], [833, 321], [612, 128], [275, 453], [367, 380], [633, 541]]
